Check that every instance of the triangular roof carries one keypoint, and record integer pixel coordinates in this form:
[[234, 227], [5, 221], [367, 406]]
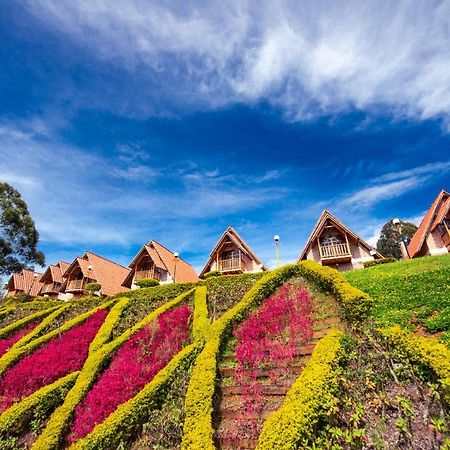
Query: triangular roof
[[164, 259], [432, 218], [104, 271], [24, 281], [233, 235], [55, 272], [318, 228]]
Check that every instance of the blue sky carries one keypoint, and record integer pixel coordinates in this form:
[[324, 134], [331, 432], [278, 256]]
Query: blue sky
[[132, 120]]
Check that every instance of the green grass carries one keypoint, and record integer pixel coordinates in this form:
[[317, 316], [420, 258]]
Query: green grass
[[409, 293]]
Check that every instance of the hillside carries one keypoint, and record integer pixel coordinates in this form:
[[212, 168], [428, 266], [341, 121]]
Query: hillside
[[413, 293], [285, 359]]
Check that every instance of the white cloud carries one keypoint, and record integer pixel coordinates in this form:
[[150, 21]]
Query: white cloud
[[310, 57]]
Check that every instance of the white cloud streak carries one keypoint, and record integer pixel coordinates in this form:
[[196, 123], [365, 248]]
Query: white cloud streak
[[310, 58]]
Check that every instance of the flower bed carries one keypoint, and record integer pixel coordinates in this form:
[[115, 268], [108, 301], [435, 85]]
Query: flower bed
[[268, 339], [8, 342], [60, 356], [133, 366]]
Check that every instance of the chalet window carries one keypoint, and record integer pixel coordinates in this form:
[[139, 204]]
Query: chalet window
[[331, 240], [231, 254]]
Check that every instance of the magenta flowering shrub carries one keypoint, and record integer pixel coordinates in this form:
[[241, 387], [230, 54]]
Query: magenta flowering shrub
[[133, 366], [55, 359], [268, 339], [8, 342]]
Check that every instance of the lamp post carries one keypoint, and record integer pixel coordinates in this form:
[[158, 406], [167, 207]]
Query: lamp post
[[175, 260], [404, 247], [276, 238]]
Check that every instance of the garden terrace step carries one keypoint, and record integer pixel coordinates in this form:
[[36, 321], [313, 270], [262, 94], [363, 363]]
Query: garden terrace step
[[237, 444], [236, 402], [327, 322], [231, 414], [266, 372], [266, 389]]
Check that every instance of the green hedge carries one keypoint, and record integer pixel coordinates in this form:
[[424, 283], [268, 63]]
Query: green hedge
[[21, 323], [126, 420], [15, 419], [308, 400], [41, 327], [147, 282], [160, 292], [15, 353], [198, 431], [58, 423], [355, 303], [377, 262], [201, 322], [105, 331]]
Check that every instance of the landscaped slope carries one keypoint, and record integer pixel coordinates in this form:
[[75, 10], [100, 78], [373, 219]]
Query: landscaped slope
[[413, 293]]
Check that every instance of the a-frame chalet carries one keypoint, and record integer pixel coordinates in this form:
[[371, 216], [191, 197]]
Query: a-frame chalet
[[231, 255], [333, 244]]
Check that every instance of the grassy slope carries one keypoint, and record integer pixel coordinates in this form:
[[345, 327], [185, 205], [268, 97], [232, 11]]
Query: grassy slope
[[410, 293]]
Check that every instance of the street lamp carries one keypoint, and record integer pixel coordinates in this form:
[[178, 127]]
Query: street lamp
[[175, 260], [276, 238], [398, 225]]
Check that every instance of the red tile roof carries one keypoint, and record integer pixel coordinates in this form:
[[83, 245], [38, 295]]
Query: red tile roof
[[26, 282], [432, 218], [104, 271], [54, 272]]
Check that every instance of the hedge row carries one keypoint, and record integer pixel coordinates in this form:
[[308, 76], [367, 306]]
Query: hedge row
[[16, 418], [308, 400], [198, 431], [201, 321], [15, 353], [426, 351], [8, 330], [41, 327], [126, 420], [58, 423], [356, 304], [105, 331], [377, 262]]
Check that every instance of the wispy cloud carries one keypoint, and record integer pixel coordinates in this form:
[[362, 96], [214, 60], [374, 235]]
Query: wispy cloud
[[310, 58]]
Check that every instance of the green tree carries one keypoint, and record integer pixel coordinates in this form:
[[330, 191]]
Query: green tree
[[18, 234], [389, 243]]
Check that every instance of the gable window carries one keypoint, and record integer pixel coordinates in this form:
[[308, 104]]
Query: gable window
[[331, 240]]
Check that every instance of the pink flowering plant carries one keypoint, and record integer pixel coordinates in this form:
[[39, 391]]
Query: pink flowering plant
[[7, 343], [60, 356], [268, 339], [133, 366]]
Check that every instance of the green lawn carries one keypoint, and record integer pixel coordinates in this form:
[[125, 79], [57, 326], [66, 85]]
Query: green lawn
[[410, 293]]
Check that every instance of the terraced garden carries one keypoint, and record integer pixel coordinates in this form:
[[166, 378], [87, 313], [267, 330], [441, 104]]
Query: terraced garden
[[287, 359]]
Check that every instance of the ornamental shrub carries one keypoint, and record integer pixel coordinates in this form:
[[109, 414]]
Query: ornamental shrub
[[213, 273], [376, 262], [147, 282], [93, 288], [8, 342], [60, 356], [134, 365]]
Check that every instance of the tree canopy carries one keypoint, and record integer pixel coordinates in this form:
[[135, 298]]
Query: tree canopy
[[18, 234], [389, 243]]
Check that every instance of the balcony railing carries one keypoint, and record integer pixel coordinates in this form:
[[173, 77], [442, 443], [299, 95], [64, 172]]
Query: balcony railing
[[334, 251], [50, 288], [231, 265], [76, 285], [143, 274]]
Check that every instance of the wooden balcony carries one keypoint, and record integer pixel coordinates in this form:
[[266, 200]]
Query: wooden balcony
[[231, 265], [335, 253], [76, 285], [143, 274], [50, 288]]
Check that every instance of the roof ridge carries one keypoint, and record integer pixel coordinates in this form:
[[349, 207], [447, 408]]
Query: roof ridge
[[106, 259], [170, 251]]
